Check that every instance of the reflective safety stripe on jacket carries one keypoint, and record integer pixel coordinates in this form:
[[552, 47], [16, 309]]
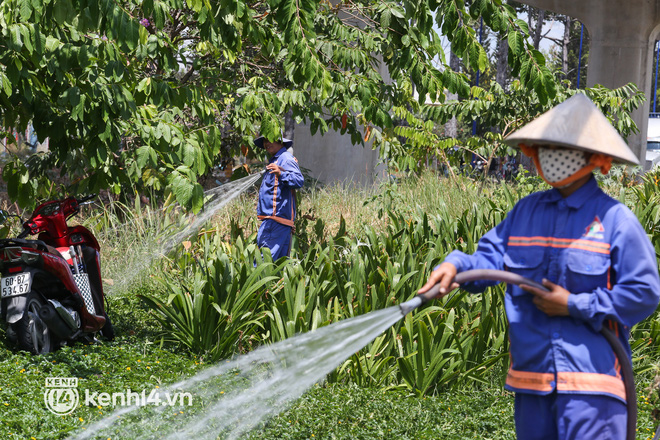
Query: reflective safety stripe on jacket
[[276, 194], [594, 247]]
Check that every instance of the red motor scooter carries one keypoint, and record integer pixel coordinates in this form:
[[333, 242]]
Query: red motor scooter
[[51, 291]]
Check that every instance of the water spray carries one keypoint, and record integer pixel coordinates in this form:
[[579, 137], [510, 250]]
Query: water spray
[[238, 395], [512, 278], [235, 396], [144, 255]]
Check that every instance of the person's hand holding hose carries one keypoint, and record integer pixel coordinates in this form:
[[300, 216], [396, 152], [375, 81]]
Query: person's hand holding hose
[[443, 274], [552, 302], [274, 168]]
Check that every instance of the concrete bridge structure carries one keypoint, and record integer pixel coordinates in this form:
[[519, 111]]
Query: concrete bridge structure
[[623, 35]]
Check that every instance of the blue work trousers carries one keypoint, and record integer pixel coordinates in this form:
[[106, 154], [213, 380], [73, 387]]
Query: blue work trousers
[[569, 417], [276, 237]]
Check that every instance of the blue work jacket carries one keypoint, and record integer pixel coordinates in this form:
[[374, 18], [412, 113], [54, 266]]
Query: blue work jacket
[[276, 196], [594, 247]]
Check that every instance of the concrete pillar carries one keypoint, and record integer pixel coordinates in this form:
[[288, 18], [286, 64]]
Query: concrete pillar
[[333, 158], [622, 34]]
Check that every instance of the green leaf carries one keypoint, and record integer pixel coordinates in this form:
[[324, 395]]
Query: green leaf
[[538, 57], [130, 32], [5, 84], [385, 18], [270, 127], [516, 43], [15, 38], [160, 11], [197, 198], [72, 95], [25, 7], [396, 10], [78, 111], [145, 86], [145, 154], [522, 24], [249, 103], [182, 188], [26, 194], [189, 154]]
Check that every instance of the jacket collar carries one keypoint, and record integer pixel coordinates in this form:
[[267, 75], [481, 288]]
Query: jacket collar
[[276, 156], [579, 197]]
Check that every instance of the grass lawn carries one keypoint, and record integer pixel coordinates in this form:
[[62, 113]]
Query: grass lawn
[[133, 361], [345, 412]]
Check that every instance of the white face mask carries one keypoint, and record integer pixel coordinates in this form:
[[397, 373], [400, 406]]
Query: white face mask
[[559, 164]]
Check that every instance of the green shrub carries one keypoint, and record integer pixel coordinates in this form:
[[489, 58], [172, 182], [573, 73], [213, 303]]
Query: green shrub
[[227, 304], [214, 303], [214, 307]]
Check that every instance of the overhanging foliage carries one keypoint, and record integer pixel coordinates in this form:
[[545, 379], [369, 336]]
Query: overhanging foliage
[[154, 93]]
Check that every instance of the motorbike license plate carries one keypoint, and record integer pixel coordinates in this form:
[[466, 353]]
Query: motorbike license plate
[[14, 285]]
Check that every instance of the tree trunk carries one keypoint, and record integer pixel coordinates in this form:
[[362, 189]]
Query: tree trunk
[[568, 23], [502, 64], [454, 62], [451, 127], [289, 126], [540, 18]]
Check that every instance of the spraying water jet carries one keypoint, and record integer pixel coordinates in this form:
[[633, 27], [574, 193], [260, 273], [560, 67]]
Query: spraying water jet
[[235, 396], [142, 256]]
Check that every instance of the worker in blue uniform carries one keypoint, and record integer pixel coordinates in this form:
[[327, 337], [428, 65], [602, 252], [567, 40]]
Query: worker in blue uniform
[[276, 206], [597, 262]]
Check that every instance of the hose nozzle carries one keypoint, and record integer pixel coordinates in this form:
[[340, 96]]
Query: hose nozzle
[[409, 306], [422, 298], [465, 277]]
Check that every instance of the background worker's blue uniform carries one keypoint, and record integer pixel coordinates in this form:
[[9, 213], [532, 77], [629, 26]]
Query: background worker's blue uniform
[[595, 248], [276, 206]]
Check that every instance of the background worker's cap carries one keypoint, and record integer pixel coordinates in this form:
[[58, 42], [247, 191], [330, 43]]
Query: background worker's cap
[[259, 142], [575, 123]]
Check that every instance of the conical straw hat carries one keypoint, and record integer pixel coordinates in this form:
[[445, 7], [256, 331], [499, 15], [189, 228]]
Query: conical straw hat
[[575, 123]]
